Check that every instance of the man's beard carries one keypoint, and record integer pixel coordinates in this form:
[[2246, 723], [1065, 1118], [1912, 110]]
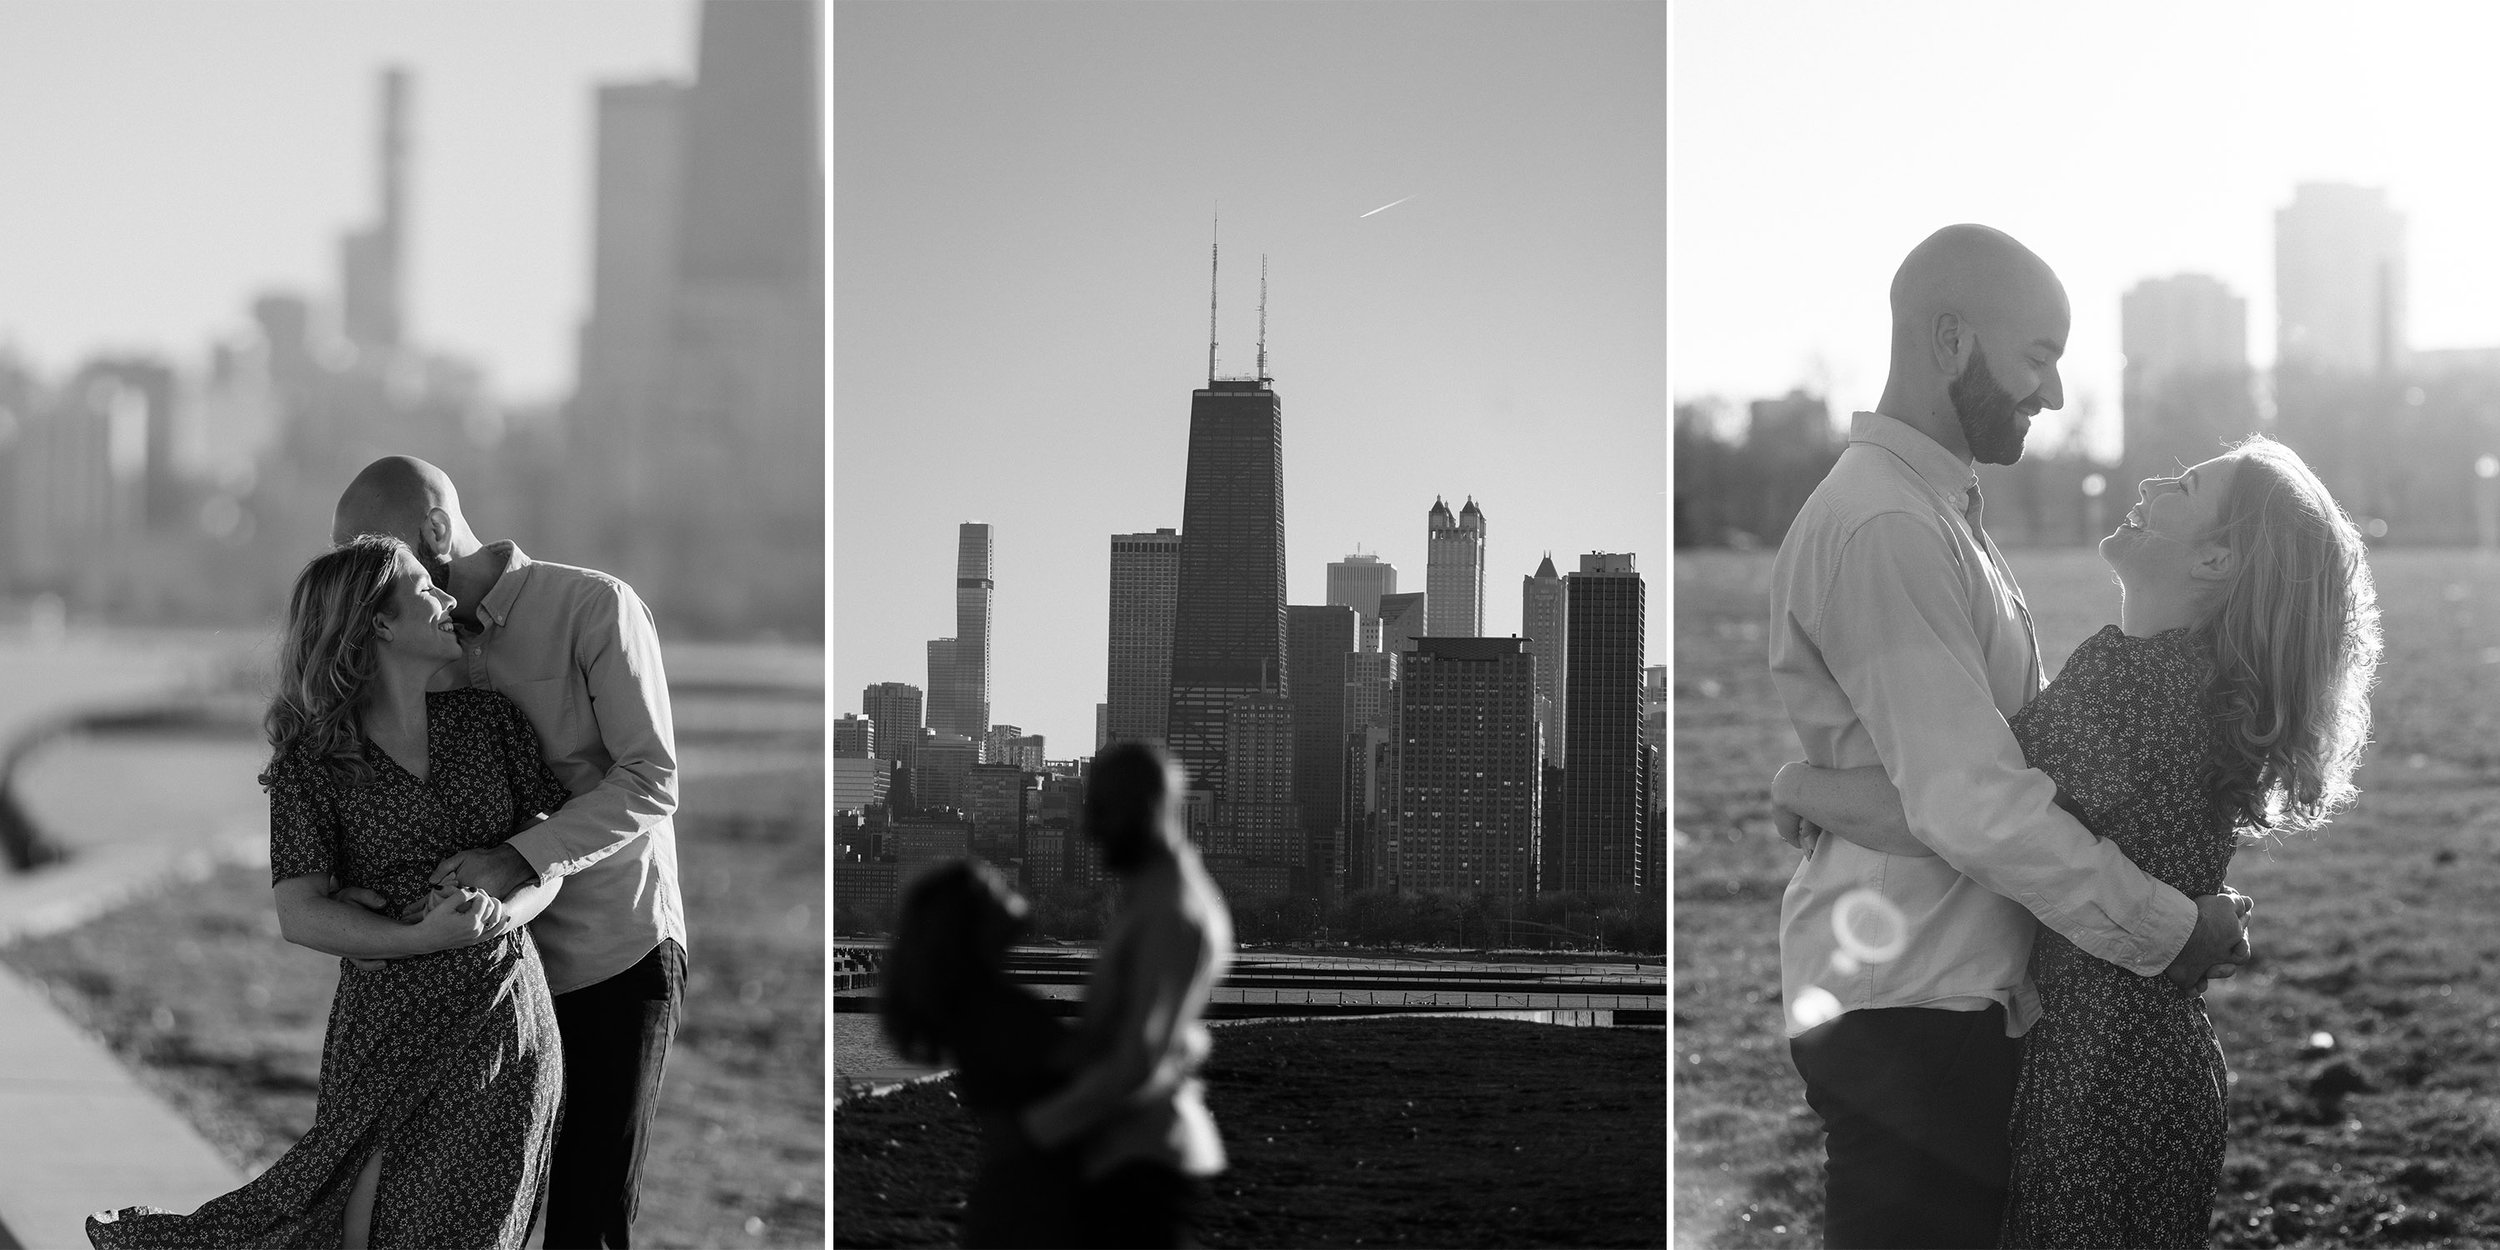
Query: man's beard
[[1990, 425]]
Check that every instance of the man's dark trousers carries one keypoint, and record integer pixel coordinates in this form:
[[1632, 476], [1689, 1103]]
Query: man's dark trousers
[[616, 1034], [1915, 1104]]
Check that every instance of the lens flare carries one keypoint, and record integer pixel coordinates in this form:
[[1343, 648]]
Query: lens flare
[[1814, 1006], [1870, 928]]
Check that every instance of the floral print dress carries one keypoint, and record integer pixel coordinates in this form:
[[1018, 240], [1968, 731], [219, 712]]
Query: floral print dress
[[448, 1064], [2118, 1117]]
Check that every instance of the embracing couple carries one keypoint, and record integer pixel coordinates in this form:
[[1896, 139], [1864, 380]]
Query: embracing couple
[[2034, 1066], [471, 781], [1095, 1136]]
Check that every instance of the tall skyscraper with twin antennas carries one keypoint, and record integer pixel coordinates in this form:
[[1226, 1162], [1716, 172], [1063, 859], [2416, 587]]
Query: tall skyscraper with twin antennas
[[1228, 619]]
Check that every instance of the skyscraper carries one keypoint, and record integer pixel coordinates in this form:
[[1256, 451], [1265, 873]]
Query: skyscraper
[[1604, 827], [962, 705], [2340, 281], [1470, 784], [1256, 818], [1228, 624], [372, 261], [942, 686], [702, 386], [1543, 619], [1454, 572], [1358, 582], [895, 707], [1145, 580], [1320, 641], [622, 401]]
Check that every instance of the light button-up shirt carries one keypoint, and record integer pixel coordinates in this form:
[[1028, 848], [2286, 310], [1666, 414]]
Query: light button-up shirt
[[1898, 637], [577, 650]]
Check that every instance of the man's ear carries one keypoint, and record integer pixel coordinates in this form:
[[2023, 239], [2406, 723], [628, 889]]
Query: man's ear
[[436, 527], [1951, 344]]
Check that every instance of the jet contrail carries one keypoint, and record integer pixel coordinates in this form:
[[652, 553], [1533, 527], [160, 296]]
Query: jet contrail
[[1390, 205]]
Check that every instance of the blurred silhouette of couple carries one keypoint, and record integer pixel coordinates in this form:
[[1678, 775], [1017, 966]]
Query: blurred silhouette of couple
[[1097, 1135]]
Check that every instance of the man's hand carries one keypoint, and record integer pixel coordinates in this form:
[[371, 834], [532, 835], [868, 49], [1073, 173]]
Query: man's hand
[[1795, 830], [2218, 945], [498, 870]]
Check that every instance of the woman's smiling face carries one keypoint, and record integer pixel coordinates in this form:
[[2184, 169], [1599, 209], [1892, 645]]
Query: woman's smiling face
[[420, 614], [2172, 521]]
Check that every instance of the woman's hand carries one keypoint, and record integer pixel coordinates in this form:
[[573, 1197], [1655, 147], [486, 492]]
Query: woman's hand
[[456, 917]]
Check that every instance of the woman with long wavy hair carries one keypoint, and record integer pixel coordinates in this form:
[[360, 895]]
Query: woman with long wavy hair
[[947, 999], [2230, 701], [441, 1076]]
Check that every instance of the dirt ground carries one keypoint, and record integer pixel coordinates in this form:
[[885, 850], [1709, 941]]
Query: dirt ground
[[1388, 1132]]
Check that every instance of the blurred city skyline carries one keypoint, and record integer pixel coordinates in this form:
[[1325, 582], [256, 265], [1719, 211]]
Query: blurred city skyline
[[177, 160], [184, 483], [2122, 142], [1461, 212]]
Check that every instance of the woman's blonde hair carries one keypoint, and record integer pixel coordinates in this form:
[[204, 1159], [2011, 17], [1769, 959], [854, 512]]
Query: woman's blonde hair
[[328, 655], [2295, 644]]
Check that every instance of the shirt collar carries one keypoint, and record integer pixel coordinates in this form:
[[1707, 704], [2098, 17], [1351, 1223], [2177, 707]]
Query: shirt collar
[[497, 605], [1943, 471]]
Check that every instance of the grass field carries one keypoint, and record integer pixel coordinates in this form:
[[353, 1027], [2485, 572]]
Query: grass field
[[194, 990], [1347, 1133], [2378, 932]]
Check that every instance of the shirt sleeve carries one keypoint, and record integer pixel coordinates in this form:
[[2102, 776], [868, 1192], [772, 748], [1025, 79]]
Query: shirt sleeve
[[1151, 1052], [303, 826], [1896, 634], [618, 650], [536, 791]]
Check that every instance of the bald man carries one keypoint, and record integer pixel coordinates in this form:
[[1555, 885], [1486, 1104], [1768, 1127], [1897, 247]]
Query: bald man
[[577, 651], [1899, 639]]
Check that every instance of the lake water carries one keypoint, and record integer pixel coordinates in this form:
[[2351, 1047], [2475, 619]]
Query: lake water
[[741, 710]]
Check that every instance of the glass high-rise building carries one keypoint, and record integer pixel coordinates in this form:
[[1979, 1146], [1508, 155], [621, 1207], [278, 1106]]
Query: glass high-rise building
[[1228, 624], [961, 704], [1543, 615], [1470, 781], [1321, 641], [1145, 581], [1604, 820], [895, 706]]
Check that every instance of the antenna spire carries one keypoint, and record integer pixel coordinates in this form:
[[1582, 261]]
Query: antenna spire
[[1263, 317], [1215, 265]]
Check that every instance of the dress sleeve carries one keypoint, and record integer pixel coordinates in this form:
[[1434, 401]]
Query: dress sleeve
[[303, 821], [535, 790]]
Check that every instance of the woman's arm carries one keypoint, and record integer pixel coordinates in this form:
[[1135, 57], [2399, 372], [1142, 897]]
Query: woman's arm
[[309, 917], [1858, 804]]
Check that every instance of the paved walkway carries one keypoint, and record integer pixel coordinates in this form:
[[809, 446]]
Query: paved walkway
[[78, 1133]]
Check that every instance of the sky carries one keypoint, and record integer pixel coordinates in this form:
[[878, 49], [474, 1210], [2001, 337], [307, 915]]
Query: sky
[[1022, 198], [1813, 142], [168, 160]]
